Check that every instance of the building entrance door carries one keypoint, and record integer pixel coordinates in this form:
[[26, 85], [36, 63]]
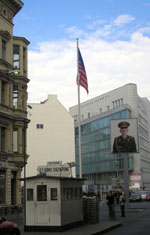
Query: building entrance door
[[13, 187], [41, 204]]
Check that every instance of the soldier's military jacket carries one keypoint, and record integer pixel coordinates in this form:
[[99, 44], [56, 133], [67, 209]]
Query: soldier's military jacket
[[126, 145]]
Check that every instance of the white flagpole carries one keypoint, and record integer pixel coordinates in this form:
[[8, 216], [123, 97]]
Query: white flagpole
[[79, 117]]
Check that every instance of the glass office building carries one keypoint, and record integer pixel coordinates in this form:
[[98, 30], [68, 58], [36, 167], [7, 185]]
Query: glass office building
[[97, 159], [99, 165]]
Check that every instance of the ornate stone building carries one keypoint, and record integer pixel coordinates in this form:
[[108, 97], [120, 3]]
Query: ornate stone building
[[13, 104]]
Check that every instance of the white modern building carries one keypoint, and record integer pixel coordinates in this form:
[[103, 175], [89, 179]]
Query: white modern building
[[50, 134], [99, 165]]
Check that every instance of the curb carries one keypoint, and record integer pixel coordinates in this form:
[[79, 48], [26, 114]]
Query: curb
[[108, 229]]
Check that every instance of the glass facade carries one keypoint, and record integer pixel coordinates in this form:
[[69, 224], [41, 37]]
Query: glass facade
[[96, 146]]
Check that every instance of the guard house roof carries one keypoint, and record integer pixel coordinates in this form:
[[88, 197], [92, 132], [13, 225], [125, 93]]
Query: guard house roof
[[52, 177]]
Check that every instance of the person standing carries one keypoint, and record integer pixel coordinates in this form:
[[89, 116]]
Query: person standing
[[122, 201], [111, 205]]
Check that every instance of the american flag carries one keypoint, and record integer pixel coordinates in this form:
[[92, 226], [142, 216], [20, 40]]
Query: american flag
[[82, 78]]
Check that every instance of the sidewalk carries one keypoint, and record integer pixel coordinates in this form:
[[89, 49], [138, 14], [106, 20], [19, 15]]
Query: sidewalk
[[88, 229]]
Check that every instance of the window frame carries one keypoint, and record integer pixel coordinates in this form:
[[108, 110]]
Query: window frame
[[16, 60]]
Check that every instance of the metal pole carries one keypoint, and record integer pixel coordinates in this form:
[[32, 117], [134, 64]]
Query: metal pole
[[79, 116], [126, 180], [117, 173]]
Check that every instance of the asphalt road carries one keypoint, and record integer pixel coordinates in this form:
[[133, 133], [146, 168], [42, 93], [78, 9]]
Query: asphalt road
[[136, 222]]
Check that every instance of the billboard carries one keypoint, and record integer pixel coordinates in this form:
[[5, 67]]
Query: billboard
[[124, 136], [135, 177]]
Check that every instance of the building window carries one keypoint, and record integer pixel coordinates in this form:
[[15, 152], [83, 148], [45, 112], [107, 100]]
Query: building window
[[113, 104], [29, 194], [54, 194], [100, 110], [107, 107], [88, 115], [3, 88], [3, 49], [75, 118], [24, 59], [39, 126], [117, 103], [2, 139], [41, 193], [15, 96], [23, 140], [24, 97], [16, 56], [15, 140]]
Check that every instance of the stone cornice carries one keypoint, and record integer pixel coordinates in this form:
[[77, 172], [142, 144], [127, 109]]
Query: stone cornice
[[5, 34], [14, 5], [21, 39], [8, 65]]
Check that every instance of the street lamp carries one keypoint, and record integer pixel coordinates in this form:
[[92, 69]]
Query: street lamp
[[71, 164], [12, 72]]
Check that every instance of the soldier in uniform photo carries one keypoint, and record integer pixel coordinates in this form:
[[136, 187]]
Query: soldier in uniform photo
[[124, 143]]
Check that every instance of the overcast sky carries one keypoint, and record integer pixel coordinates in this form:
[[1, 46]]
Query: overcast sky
[[114, 40]]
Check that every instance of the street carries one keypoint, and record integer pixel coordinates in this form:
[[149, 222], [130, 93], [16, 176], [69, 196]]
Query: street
[[136, 222]]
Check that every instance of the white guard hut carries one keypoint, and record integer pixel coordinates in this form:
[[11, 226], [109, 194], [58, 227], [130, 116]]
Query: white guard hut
[[53, 203]]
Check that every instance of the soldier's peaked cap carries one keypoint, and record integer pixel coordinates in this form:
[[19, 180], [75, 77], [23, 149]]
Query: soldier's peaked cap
[[123, 125]]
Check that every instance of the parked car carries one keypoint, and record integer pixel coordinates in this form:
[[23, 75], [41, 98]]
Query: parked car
[[8, 227], [148, 197], [143, 195], [135, 197]]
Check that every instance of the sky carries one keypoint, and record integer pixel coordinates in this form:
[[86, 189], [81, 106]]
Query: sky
[[114, 40]]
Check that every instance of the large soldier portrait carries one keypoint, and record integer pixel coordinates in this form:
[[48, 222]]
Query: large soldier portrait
[[124, 143]]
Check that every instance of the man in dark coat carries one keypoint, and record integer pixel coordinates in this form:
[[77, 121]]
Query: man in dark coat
[[111, 205], [124, 143]]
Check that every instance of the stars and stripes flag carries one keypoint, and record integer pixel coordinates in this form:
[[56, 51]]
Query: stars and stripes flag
[[82, 78]]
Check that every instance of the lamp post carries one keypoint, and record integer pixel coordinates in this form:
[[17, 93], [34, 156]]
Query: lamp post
[[70, 164], [117, 168], [126, 179]]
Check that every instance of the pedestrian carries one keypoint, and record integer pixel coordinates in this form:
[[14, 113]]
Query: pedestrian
[[122, 201], [117, 196], [111, 205]]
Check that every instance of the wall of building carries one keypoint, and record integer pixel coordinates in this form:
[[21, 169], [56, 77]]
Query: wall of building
[[12, 117], [108, 101], [53, 142], [71, 201]]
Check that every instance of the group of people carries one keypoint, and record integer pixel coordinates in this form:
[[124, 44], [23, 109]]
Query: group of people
[[119, 199]]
